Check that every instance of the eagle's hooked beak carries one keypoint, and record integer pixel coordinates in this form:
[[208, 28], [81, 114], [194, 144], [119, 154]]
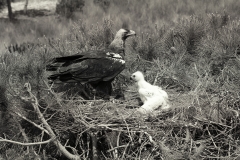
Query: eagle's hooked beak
[[131, 33]]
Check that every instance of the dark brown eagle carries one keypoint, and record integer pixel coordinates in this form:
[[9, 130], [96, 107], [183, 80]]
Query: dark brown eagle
[[95, 67]]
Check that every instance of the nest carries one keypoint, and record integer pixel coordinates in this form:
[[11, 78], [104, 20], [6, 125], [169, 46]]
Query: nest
[[117, 130]]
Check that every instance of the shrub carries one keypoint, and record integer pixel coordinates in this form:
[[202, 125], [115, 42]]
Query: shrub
[[67, 8], [2, 4], [104, 4]]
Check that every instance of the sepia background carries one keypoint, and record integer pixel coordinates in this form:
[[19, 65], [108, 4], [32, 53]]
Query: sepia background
[[188, 47]]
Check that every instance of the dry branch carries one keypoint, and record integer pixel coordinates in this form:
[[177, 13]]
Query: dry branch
[[26, 144], [46, 127]]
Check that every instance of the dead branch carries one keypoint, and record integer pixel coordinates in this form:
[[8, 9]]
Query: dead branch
[[112, 149], [57, 143], [53, 93], [25, 144], [36, 125], [46, 127]]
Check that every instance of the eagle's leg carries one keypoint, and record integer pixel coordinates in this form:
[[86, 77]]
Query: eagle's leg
[[89, 91], [104, 89], [86, 94]]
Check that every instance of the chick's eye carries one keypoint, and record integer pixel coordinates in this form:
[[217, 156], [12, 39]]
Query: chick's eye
[[134, 76]]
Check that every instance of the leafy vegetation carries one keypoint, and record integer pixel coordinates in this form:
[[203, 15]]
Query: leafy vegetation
[[2, 4], [181, 46], [68, 7]]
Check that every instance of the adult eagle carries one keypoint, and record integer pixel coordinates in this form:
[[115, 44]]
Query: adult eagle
[[95, 67]]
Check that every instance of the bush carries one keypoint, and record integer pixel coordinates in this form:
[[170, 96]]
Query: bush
[[67, 8], [104, 4], [2, 4]]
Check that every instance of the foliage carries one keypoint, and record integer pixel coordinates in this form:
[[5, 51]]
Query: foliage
[[104, 4], [66, 8], [2, 4]]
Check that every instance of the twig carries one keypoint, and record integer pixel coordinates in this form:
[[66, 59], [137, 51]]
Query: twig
[[212, 139], [191, 144], [51, 91], [40, 145], [23, 133], [85, 100], [36, 125], [85, 123], [48, 127], [127, 129], [73, 149], [112, 149], [150, 138], [26, 144], [211, 122], [124, 152], [51, 116], [118, 138]]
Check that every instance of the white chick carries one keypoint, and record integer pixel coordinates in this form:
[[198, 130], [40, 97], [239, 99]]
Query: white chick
[[151, 96]]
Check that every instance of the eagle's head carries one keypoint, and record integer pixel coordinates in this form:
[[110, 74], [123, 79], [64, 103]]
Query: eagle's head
[[124, 34], [137, 76], [119, 41]]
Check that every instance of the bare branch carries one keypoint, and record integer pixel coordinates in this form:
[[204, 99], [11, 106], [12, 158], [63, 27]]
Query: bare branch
[[54, 94], [26, 144], [48, 127], [36, 125]]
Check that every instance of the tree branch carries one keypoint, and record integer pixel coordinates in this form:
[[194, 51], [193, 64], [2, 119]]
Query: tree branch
[[26, 144], [61, 148], [36, 125]]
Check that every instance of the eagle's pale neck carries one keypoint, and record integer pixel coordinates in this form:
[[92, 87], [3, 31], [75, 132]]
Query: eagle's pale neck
[[118, 45]]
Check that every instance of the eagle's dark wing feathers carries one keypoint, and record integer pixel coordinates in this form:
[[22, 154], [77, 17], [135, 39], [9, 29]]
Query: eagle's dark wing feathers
[[57, 62], [95, 66]]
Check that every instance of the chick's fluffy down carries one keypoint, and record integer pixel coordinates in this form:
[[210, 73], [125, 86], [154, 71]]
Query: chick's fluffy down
[[152, 96], [153, 99]]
